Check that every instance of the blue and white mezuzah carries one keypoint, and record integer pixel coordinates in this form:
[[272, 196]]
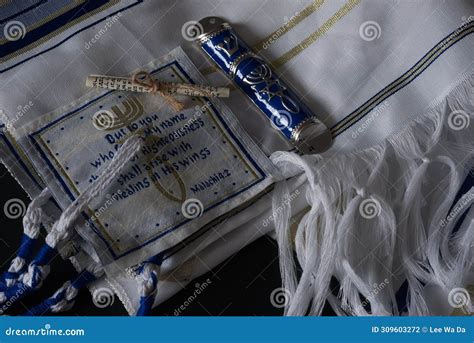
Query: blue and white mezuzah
[[259, 82]]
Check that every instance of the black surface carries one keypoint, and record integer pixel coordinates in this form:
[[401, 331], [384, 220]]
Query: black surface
[[241, 285]]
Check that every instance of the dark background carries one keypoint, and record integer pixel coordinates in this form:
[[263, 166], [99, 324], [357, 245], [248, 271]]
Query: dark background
[[241, 285]]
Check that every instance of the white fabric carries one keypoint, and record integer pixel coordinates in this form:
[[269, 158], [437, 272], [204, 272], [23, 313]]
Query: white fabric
[[377, 224], [334, 75], [164, 195]]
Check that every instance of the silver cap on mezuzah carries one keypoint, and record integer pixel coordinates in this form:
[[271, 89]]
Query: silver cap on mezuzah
[[311, 137], [210, 25]]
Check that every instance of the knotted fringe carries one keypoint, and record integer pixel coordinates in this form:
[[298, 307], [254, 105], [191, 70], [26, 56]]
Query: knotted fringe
[[22, 279], [38, 269], [32, 221], [147, 274], [64, 298], [374, 223]]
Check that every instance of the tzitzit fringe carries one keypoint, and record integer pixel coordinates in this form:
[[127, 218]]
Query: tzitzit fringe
[[32, 222], [33, 274], [373, 222]]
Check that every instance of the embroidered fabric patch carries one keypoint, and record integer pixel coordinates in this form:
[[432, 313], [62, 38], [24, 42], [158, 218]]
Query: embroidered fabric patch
[[195, 165]]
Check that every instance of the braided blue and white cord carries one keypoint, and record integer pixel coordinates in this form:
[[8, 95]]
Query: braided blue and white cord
[[147, 274], [32, 221], [37, 271], [64, 298], [32, 279]]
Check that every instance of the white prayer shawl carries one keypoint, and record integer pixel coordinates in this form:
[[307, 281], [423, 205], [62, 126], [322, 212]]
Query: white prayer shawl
[[391, 84]]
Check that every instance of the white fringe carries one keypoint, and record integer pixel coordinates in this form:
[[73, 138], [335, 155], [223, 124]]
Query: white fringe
[[374, 220]]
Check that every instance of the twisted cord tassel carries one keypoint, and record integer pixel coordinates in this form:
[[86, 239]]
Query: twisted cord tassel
[[39, 268], [148, 275], [32, 222], [64, 298]]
